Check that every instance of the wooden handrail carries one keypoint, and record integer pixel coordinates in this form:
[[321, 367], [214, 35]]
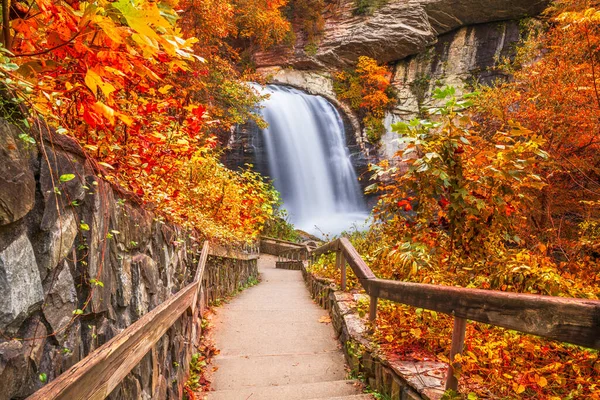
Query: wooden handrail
[[281, 241], [570, 320], [95, 376], [575, 321]]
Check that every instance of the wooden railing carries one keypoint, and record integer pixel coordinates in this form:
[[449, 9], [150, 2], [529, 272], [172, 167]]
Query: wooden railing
[[575, 321], [95, 376], [298, 254]]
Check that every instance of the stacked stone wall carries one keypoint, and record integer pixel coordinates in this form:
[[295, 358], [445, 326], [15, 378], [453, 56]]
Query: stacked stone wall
[[80, 261]]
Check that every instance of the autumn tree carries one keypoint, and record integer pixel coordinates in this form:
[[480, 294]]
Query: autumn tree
[[131, 86], [555, 94], [368, 91]]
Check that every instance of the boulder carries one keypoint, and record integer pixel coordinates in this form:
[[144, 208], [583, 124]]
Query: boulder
[[55, 244], [123, 281], [12, 362], [58, 196], [20, 282], [61, 301], [17, 356], [17, 182]]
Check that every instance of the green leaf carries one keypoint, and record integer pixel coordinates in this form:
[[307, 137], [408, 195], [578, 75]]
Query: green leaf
[[10, 66], [26, 138], [66, 178], [43, 377], [78, 312], [84, 227], [96, 282]]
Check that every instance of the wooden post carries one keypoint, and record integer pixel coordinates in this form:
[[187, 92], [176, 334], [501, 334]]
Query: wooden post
[[373, 308], [458, 341], [343, 261], [338, 263]]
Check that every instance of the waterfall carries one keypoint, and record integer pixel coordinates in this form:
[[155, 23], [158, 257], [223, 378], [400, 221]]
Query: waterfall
[[309, 162]]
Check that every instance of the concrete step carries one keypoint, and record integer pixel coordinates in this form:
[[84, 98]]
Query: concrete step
[[241, 372], [349, 397], [343, 389]]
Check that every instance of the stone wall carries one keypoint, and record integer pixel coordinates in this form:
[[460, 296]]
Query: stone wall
[[278, 247], [291, 265], [393, 377], [80, 261]]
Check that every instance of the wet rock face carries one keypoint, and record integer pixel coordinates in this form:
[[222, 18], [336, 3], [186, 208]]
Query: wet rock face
[[460, 59], [17, 182], [398, 29], [78, 245], [20, 283]]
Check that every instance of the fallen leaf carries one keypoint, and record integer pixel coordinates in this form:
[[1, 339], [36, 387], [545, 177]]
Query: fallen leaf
[[325, 319]]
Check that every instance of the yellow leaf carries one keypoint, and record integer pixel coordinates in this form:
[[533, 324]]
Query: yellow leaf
[[125, 118], [91, 80], [325, 319], [141, 16], [107, 165], [518, 388], [542, 382], [472, 355], [106, 111], [94, 81], [165, 89]]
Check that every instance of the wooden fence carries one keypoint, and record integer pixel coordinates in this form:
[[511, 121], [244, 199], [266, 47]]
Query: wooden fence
[[95, 376], [575, 321]]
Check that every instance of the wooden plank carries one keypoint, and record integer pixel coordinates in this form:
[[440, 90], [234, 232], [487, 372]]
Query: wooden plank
[[202, 262], [343, 271], [360, 268], [266, 238], [568, 320], [458, 342], [326, 248], [219, 251], [199, 274], [373, 308], [99, 373]]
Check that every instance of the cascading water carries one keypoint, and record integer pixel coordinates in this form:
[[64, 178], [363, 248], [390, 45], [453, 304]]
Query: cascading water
[[309, 161]]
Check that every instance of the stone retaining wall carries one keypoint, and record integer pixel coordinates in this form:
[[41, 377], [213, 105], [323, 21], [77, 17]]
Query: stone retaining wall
[[400, 380], [79, 262], [292, 265], [280, 247]]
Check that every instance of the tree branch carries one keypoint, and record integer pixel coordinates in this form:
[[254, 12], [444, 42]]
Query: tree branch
[[6, 23], [52, 48]]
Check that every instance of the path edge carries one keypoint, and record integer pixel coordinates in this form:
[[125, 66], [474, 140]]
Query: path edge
[[392, 378]]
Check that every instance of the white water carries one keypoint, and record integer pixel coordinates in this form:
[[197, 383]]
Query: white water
[[310, 163]]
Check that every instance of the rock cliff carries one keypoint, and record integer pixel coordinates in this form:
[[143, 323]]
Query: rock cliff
[[426, 43], [398, 29]]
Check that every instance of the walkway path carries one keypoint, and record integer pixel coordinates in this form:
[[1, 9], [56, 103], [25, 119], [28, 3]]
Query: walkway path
[[274, 347]]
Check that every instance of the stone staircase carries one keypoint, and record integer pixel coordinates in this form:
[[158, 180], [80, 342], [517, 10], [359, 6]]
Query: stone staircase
[[276, 344], [331, 390]]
